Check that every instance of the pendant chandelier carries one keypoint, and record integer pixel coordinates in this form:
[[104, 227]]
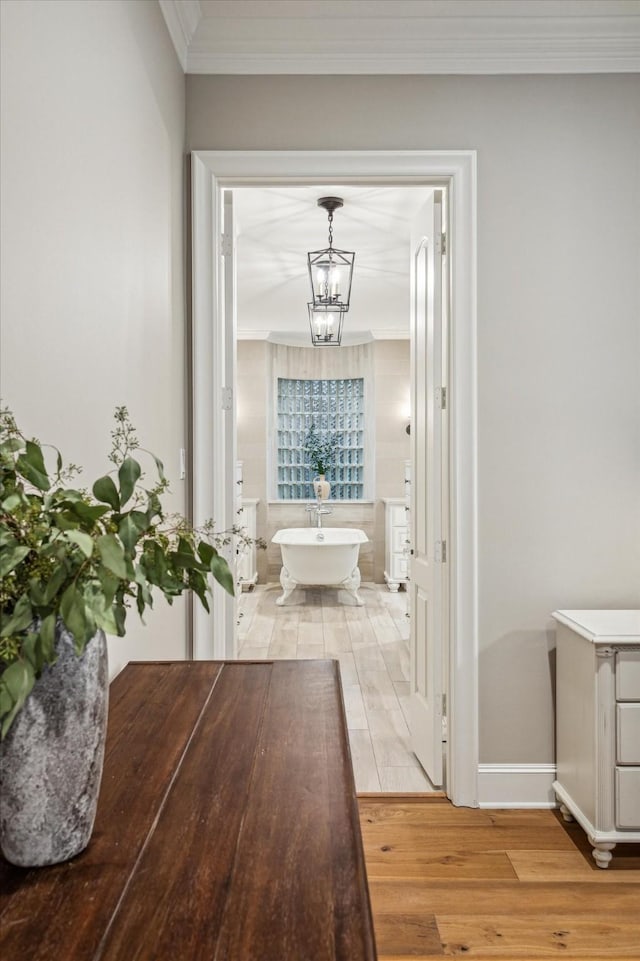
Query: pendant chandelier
[[326, 325], [330, 273]]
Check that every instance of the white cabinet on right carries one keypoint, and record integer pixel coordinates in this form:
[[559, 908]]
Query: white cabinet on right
[[598, 725]]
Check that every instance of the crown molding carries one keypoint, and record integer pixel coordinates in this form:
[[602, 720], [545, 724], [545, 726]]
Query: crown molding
[[571, 59], [182, 18], [409, 37], [404, 37]]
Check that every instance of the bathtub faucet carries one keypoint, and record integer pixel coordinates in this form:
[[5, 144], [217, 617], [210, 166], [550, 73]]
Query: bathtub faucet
[[319, 511]]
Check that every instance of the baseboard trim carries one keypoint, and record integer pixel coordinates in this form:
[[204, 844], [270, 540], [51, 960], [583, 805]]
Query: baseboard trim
[[516, 785]]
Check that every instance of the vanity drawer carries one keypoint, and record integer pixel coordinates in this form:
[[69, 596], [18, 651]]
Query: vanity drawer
[[397, 515], [628, 676], [628, 733], [398, 539], [628, 797], [399, 567]]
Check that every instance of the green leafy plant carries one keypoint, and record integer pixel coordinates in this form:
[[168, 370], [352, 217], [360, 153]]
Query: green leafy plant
[[85, 558], [321, 450]]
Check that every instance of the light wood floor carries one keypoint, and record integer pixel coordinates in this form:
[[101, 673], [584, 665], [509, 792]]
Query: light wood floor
[[516, 884], [371, 643]]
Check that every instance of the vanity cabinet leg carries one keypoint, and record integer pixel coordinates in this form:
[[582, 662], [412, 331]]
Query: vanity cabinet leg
[[566, 813], [602, 852]]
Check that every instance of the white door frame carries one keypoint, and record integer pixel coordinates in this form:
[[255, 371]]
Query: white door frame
[[213, 170]]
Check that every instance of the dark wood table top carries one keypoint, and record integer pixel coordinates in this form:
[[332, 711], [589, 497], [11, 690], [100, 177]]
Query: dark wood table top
[[227, 827]]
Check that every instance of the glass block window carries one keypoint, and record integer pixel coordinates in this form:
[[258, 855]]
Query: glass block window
[[335, 410]]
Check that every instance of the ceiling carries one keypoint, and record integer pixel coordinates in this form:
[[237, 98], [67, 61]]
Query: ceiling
[[276, 226], [405, 36]]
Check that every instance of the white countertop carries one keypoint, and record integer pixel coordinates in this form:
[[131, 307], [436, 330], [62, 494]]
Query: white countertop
[[603, 627]]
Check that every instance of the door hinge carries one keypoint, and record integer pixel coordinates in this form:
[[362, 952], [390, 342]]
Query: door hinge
[[441, 552], [441, 398], [227, 398], [441, 244], [226, 245]]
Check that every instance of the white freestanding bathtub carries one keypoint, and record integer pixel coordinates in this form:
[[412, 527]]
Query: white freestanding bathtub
[[328, 556]]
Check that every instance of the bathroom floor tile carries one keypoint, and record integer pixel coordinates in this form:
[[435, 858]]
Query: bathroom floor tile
[[364, 764], [254, 654], [388, 722], [313, 652], [348, 671], [378, 691], [354, 707], [404, 779], [283, 648], [371, 644], [369, 658], [310, 633], [336, 638]]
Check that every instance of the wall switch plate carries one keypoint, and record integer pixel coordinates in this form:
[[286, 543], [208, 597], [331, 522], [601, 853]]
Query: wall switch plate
[[183, 464]]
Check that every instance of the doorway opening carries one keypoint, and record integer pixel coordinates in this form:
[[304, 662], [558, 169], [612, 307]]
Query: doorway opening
[[214, 373]]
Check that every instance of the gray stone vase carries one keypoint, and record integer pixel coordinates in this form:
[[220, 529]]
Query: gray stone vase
[[51, 759]]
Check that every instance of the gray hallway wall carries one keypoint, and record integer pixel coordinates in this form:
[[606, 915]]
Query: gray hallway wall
[[558, 333]]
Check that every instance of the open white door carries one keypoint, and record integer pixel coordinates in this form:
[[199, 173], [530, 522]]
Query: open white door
[[214, 363], [228, 439], [426, 514]]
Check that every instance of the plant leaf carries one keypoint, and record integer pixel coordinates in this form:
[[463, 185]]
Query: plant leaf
[[65, 521], [54, 584], [11, 445], [32, 651], [105, 618], [82, 540], [109, 583], [19, 619], [89, 512], [120, 616], [128, 533], [31, 466], [160, 467], [221, 572], [16, 684], [48, 637], [112, 554], [198, 585], [140, 519], [12, 501], [206, 552], [105, 491], [184, 558], [11, 557], [100, 607], [128, 476], [75, 616]]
